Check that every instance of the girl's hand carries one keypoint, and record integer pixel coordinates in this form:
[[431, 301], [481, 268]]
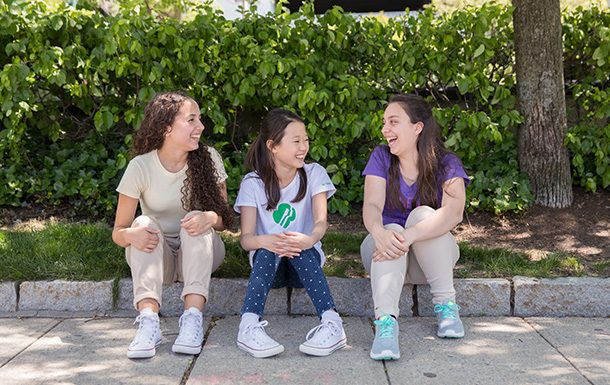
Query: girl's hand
[[389, 245], [299, 240], [198, 223], [278, 243], [143, 238]]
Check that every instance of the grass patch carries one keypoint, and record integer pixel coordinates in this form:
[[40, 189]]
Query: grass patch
[[602, 268], [494, 263], [75, 251], [58, 250]]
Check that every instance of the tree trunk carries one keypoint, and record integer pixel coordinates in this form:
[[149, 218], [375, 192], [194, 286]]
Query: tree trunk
[[541, 101]]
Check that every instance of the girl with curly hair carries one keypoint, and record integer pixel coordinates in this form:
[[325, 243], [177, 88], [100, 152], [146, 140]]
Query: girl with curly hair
[[180, 186], [414, 194]]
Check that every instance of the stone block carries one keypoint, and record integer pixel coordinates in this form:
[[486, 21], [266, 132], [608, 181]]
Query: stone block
[[476, 297], [561, 297], [8, 297], [226, 298], [59, 295], [352, 297]]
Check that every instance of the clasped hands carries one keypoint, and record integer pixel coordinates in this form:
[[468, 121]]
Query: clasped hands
[[391, 244], [289, 244]]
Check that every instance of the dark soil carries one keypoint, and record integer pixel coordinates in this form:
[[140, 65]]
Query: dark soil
[[582, 229]]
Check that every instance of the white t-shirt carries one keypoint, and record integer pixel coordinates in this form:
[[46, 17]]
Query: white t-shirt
[[287, 216], [158, 190]]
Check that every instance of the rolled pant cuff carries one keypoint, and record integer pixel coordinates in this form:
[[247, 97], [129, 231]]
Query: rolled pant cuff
[[146, 295], [195, 289]]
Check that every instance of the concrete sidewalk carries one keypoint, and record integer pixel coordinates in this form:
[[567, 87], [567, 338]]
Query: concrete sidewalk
[[496, 350]]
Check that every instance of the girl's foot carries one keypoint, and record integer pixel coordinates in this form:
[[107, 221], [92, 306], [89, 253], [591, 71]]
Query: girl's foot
[[253, 339]]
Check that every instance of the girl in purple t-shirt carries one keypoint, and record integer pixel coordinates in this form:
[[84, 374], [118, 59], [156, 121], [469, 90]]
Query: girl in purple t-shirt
[[414, 194]]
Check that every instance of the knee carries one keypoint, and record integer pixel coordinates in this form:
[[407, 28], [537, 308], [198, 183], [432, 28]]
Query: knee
[[418, 214], [394, 227], [145, 221]]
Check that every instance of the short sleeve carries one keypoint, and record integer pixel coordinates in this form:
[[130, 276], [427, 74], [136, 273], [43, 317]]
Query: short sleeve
[[133, 182], [247, 193], [379, 163], [454, 169], [320, 181], [218, 164]]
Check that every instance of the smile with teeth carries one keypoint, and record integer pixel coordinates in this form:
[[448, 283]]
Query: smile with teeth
[[391, 140], [300, 157]]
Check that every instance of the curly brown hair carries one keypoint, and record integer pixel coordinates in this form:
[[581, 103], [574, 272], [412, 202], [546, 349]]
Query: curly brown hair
[[200, 190]]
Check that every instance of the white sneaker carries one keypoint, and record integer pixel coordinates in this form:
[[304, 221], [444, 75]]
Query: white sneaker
[[324, 338], [190, 337], [148, 336], [253, 339]]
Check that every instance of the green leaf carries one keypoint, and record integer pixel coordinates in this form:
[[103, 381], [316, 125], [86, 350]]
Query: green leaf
[[479, 51]]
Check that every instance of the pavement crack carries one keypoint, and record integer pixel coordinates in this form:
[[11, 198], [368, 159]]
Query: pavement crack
[[533, 326], [30, 344], [191, 365]]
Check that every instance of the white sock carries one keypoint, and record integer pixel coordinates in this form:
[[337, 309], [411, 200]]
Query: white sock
[[147, 312], [248, 319], [193, 310], [332, 315]]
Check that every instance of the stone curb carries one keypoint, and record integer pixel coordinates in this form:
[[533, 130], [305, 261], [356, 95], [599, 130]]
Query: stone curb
[[521, 296], [561, 297]]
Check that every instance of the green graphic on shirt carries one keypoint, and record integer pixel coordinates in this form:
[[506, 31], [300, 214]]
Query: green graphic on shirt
[[284, 215]]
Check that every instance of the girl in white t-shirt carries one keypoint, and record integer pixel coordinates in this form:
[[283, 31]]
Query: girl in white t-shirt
[[283, 215], [180, 187]]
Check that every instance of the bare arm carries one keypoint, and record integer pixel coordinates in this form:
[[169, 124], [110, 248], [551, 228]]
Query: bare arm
[[386, 241], [445, 218], [143, 238]]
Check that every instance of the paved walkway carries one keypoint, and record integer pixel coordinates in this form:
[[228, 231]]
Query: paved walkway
[[496, 350]]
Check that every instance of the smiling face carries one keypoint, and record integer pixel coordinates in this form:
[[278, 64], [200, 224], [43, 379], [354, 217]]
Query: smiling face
[[399, 131], [185, 131], [290, 152]]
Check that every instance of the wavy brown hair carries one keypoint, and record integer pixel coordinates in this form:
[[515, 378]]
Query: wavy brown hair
[[200, 190], [259, 157], [431, 151]]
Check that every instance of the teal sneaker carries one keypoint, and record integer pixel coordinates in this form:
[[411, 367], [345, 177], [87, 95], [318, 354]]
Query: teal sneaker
[[385, 345], [449, 323]]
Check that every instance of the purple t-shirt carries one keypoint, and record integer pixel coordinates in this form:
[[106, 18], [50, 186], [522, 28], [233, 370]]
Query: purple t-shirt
[[379, 165]]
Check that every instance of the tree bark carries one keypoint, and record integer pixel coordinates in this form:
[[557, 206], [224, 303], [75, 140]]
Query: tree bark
[[541, 101]]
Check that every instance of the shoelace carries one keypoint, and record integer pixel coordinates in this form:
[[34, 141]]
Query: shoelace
[[192, 320], [447, 310], [254, 327], [386, 327], [142, 320], [331, 325]]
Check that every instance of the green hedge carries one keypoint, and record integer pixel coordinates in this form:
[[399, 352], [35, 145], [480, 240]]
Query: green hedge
[[73, 84]]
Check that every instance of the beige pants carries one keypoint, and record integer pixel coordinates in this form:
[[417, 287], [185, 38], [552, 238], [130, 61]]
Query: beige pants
[[175, 259], [427, 262]]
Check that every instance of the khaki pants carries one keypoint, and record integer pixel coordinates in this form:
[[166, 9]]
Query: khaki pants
[[427, 262], [175, 259]]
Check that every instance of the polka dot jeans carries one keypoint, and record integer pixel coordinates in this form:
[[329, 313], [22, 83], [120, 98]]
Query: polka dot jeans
[[308, 269]]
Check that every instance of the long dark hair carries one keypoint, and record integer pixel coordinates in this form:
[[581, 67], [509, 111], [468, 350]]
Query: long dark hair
[[431, 151], [200, 190], [259, 157]]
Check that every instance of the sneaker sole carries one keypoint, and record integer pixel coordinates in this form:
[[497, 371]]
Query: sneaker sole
[[386, 355], [183, 349], [274, 351], [143, 353], [450, 335], [322, 352]]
